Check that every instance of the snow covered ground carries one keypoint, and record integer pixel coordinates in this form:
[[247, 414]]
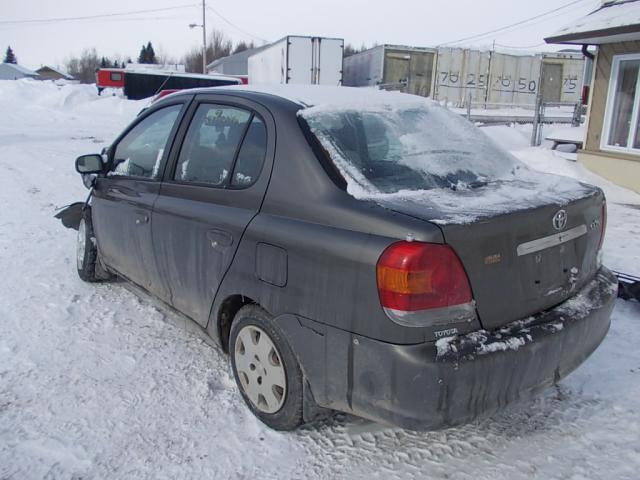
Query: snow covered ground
[[99, 382]]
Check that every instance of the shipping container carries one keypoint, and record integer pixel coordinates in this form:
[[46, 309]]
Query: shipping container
[[300, 60], [496, 78], [457, 75], [571, 68], [462, 74], [392, 67]]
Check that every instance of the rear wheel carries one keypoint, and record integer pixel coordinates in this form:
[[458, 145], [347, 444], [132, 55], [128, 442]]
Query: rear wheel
[[86, 251], [265, 369]]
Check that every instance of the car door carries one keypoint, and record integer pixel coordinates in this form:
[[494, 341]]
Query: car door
[[123, 200], [214, 186]]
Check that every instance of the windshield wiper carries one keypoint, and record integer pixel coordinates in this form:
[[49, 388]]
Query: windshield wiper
[[478, 184], [467, 185]]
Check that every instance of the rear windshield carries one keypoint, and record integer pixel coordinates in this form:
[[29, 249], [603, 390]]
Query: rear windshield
[[422, 146]]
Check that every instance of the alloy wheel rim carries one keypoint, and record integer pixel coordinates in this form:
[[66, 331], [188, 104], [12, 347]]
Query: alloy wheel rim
[[81, 244], [260, 369]]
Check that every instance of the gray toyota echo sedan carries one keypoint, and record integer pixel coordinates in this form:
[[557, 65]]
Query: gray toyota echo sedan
[[353, 250]]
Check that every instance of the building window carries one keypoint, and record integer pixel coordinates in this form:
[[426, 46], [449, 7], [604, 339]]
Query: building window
[[116, 77], [622, 122]]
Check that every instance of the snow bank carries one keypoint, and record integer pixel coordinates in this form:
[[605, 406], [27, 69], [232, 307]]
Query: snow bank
[[550, 161], [44, 95], [508, 138]]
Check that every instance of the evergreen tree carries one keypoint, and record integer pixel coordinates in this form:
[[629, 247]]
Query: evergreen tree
[[147, 54], [151, 54], [9, 56], [142, 58]]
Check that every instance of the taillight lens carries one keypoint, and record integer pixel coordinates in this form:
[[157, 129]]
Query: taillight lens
[[415, 276], [603, 224]]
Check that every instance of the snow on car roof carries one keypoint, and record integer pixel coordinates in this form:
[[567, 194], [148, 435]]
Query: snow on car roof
[[326, 95]]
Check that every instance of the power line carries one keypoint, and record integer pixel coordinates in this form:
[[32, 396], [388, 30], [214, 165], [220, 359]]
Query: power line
[[537, 22], [480, 35], [235, 26], [91, 17], [107, 20]]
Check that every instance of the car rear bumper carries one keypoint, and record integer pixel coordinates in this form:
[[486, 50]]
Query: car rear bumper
[[457, 379]]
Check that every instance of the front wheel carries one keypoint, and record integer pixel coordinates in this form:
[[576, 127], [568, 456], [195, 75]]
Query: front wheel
[[86, 251], [265, 369]]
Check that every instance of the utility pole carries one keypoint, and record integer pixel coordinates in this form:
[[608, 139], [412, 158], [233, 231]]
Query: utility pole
[[204, 39], [204, 36]]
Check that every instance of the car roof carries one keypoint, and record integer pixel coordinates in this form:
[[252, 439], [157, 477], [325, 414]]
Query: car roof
[[306, 96]]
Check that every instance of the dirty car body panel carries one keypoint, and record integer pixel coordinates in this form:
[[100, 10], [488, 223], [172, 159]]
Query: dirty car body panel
[[293, 240]]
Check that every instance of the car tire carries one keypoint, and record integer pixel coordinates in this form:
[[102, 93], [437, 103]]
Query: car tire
[[260, 380], [86, 251]]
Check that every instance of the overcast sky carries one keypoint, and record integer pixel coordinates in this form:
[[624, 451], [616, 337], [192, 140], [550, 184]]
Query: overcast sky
[[411, 22]]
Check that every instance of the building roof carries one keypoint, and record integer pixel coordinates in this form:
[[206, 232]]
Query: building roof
[[57, 70], [614, 21], [240, 57], [18, 70]]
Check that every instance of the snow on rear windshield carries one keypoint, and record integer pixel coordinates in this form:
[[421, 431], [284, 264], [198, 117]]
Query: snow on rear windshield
[[415, 146]]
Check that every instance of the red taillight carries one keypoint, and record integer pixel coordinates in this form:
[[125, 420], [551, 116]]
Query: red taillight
[[419, 276], [603, 224]]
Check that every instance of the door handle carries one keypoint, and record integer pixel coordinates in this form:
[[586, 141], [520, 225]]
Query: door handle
[[141, 220], [219, 238]]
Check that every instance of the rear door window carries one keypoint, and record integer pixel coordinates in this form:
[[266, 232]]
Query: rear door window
[[211, 144], [251, 156]]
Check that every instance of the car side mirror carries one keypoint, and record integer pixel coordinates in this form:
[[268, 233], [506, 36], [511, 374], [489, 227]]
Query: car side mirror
[[88, 164]]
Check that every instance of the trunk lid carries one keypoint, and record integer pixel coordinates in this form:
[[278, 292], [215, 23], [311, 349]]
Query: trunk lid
[[518, 262]]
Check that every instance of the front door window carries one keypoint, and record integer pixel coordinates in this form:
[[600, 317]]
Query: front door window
[[142, 150]]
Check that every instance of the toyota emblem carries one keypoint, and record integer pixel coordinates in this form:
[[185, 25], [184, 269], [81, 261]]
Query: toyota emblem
[[560, 219]]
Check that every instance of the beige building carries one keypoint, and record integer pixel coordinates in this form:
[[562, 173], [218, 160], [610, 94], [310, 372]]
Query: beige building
[[612, 146], [50, 73]]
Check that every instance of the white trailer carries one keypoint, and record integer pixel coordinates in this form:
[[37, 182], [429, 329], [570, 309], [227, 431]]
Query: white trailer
[[392, 67], [301, 60]]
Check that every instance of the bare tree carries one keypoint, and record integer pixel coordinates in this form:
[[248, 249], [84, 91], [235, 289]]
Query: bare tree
[[218, 46], [163, 57], [351, 50], [241, 46], [84, 67]]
